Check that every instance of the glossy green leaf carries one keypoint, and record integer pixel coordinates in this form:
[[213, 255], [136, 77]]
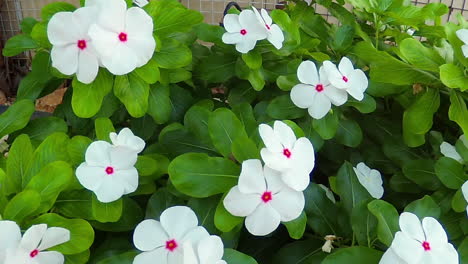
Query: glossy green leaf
[[387, 217], [16, 117], [349, 133], [424, 207], [232, 256], [22, 205], [283, 108], [224, 220], [18, 44], [296, 227], [422, 173], [19, 156], [159, 103], [453, 77], [350, 189], [173, 55], [450, 173], [225, 128], [106, 212], [103, 127], [133, 92], [354, 255]]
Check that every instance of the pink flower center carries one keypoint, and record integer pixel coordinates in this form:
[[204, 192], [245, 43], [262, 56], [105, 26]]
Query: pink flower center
[[426, 246], [171, 245], [267, 26], [243, 32], [319, 88], [287, 153], [81, 44], [345, 79], [34, 253], [266, 197], [123, 37], [109, 170]]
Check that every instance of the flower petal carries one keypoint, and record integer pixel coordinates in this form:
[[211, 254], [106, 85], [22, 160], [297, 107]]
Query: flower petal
[[143, 48], [462, 34], [54, 236], [337, 96], [231, 23], [275, 161], [321, 105], [61, 29], [10, 234], [248, 21], [110, 190], [232, 38], [210, 249], [357, 84], [407, 248], [296, 179], [263, 220], [304, 156], [266, 17], [149, 235], [285, 134], [112, 17], [50, 257], [251, 179], [288, 203], [178, 221], [435, 233], [149, 257], [464, 190], [90, 177], [104, 41], [276, 36], [270, 138], [389, 257], [175, 257], [449, 151], [126, 138], [88, 67], [122, 61], [138, 23], [246, 45], [411, 226], [302, 95], [190, 257], [123, 158], [65, 58], [345, 67], [465, 50], [83, 18], [128, 179], [307, 73], [334, 75], [273, 179], [240, 204], [98, 153], [195, 235], [32, 237]]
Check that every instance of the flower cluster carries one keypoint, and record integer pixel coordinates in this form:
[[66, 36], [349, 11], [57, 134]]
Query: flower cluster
[[329, 85], [420, 242], [31, 248], [109, 169], [101, 34], [250, 26], [270, 194], [176, 239], [370, 179]]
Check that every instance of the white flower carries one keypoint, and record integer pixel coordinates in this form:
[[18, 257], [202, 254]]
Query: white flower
[[370, 179], [263, 198], [418, 243], [274, 33], [462, 34], [293, 158], [140, 3], [123, 38], [31, 248], [464, 140], [126, 138], [354, 81], [210, 250], [464, 190], [108, 171], [163, 242], [315, 91], [450, 151], [243, 30], [73, 50], [328, 193]]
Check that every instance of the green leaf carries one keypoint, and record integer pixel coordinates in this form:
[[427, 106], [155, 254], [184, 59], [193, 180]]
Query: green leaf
[[354, 255], [225, 128], [22, 205], [349, 133], [49, 182], [287, 82], [81, 232], [168, 18], [180, 141], [18, 44], [146, 166], [420, 56], [281, 107], [301, 252], [217, 68], [366, 106], [149, 72], [296, 227], [463, 250], [75, 204], [87, 98], [253, 59], [133, 92], [106, 212], [321, 212], [387, 217], [27, 24], [205, 210], [199, 175], [103, 127], [453, 77], [173, 55], [51, 9], [350, 189], [76, 149], [424, 207], [327, 126], [79, 258], [459, 203], [16, 117], [160, 201], [245, 114], [122, 258], [39, 35], [343, 38], [458, 111], [19, 156], [422, 173], [132, 215], [232, 256], [244, 149], [363, 223], [225, 221], [159, 103], [39, 129], [450, 173]]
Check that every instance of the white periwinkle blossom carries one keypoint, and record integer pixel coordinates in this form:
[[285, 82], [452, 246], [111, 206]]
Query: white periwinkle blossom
[[274, 33], [123, 38], [73, 50], [420, 243], [108, 171], [31, 248], [141, 3], [164, 241], [263, 199], [450, 151], [462, 34], [126, 138], [244, 30], [370, 179], [293, 158], [210, 250], [315, 92], [354, 81], [464, 190]]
